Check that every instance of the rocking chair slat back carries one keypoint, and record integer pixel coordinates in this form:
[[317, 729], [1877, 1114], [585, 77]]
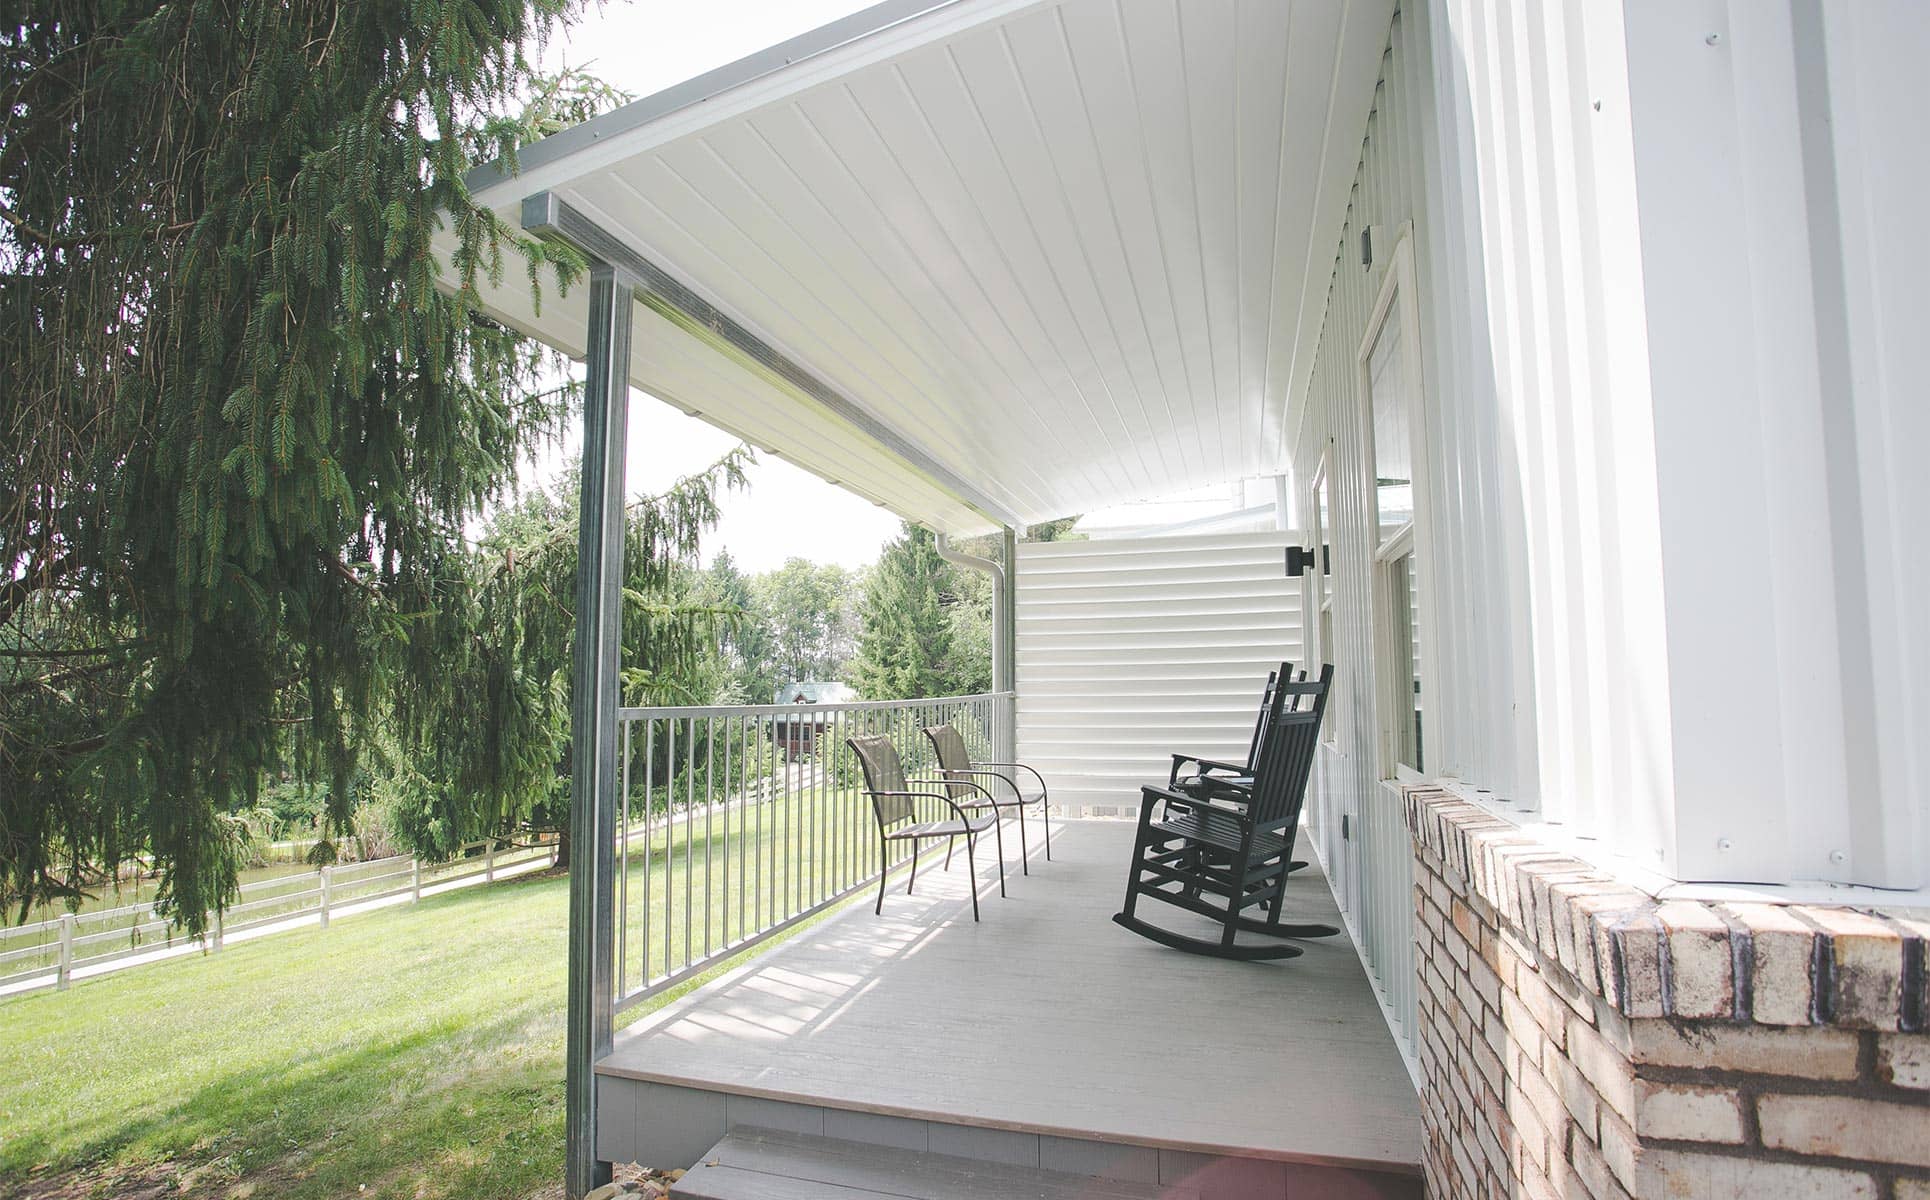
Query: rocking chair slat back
[[1286, 758], [883, 773], [1266, 711]]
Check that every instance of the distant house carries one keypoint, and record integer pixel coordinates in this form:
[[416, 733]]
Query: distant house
[[798, 735], [815, 692]]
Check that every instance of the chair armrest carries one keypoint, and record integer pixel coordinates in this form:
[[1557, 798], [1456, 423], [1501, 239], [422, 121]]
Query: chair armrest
[[1208, 764], [1148, 795], [1043, 790], [949, 802], [964, 777], [947, 782]]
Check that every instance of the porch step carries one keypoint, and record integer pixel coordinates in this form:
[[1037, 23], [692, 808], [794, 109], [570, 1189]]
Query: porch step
[[760, 1164]]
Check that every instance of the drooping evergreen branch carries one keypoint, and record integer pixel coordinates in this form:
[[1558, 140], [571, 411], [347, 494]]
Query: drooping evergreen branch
[[237, 359]]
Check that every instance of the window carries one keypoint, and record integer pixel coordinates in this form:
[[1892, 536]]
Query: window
[[1389, 378]]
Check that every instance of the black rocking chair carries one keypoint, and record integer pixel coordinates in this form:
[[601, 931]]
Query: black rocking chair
[[955, 766], [892, 804], [1223, 855], [1207, 778]]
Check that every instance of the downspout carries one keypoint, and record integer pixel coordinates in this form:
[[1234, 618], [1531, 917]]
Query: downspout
[[1004, 629]]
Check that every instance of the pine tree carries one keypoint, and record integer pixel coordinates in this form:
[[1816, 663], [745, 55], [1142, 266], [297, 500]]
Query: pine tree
[[248, 414], [905, 633], [486, 750]]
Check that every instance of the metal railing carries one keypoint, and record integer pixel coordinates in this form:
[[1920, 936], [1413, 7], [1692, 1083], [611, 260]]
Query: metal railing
[[52, 950], [738, 822]]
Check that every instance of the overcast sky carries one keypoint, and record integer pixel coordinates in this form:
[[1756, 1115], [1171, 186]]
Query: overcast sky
[[644, 47]]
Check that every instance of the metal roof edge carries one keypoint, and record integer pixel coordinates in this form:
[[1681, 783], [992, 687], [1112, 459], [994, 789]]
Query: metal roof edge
[[691, 92]]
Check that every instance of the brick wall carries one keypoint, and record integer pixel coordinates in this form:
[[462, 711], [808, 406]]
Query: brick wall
[[1578, 1038]]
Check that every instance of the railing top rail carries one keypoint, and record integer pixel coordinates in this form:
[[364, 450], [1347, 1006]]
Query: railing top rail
[[785, 710]]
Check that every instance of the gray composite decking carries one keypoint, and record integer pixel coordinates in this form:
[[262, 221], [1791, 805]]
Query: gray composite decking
[[1044, 1025]]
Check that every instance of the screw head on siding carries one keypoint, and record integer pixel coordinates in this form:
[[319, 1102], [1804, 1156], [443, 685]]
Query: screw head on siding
[[1714, 39], [1839, 856], [1725, 845]]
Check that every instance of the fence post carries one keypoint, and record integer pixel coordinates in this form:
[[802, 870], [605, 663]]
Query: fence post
[[325, 873], [66, 951], [415, 879], [217, 929], [489, 861]]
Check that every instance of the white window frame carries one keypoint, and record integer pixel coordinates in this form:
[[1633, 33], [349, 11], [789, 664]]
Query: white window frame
[[1320, 600], [1398, 286]]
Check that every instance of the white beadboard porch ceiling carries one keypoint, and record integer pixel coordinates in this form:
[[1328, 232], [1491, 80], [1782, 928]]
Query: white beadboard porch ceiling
[[1076, 251]]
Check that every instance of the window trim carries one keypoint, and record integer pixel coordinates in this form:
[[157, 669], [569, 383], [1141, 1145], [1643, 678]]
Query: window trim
[[1398, 287], [1321, 586]]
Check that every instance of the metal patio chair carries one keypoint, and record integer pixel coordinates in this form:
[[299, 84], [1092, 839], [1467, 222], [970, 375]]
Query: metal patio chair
[[892, 803], [957, 770], [1232, 852]]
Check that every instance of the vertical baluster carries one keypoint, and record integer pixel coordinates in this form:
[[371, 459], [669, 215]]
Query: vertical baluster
[[725, 901], [766, 825], [800, 864], [838, 799], [649, 837], [669, 842], [623, 864], [690, 850], [819, 858], [744, 813], [710, 800]]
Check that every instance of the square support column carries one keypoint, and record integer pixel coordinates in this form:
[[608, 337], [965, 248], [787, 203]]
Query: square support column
[[1005, 643], [593, 719]]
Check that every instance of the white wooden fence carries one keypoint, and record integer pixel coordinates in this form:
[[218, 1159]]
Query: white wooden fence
[[51, 951]]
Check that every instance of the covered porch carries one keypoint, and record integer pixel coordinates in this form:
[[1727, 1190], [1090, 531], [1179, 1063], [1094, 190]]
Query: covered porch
[[989, 263], [1041, 1037]]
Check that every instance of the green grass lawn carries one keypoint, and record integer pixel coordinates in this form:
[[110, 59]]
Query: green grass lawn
[[411, 1052]]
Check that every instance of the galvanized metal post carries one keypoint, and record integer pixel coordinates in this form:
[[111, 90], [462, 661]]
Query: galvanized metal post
[[324, 918], [593, 719], [415, 879], [1005, 668]]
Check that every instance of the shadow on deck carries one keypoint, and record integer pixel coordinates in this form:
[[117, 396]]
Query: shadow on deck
[[1043, 1036]]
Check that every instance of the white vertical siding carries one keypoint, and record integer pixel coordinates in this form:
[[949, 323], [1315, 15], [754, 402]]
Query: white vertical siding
[[1499, 143], [1131, 649], [1662, 253]]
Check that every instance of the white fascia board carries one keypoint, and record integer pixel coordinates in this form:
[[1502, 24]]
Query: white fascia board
[[830, 52]]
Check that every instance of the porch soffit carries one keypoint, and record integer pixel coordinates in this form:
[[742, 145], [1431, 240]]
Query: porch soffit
[[1075, 252]]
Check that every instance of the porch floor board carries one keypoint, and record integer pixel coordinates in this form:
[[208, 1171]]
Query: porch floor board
[[1046, 1018]]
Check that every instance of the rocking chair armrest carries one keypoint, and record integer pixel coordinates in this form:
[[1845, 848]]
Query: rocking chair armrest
[[1150, 795], [1209, 764]]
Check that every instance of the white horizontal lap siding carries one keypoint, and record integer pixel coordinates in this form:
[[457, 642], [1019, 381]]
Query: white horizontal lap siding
[[1132, 649]]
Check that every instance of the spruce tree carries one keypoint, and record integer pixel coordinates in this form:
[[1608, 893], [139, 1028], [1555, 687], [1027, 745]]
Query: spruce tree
[[905, 633], [248, 412]]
